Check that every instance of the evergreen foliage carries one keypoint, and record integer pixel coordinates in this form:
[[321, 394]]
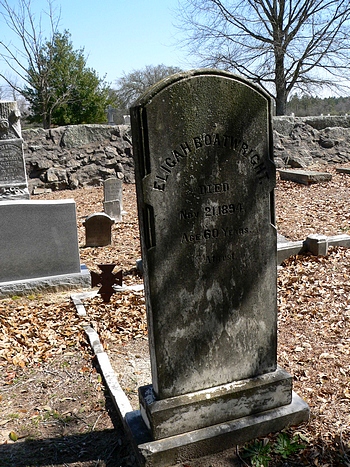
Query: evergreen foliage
[[62, 89]]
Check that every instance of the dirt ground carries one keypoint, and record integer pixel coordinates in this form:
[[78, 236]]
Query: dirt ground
[[54, 408]]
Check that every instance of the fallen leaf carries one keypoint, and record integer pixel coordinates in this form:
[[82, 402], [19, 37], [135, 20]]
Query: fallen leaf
[[13, 436]]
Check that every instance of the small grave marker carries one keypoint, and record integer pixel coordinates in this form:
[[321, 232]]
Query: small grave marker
[[98, 229]]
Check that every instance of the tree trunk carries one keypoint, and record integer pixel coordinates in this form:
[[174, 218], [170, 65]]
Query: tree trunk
[[280, 82], [46, 120], [281, 102]]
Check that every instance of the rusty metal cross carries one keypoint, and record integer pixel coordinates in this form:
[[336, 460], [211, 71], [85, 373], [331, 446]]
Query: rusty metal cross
[[106, 279]]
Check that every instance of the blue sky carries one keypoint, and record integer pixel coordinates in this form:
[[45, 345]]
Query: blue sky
[[119, 35]]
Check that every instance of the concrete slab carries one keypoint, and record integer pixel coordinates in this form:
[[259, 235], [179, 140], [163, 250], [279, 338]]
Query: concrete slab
[[305, 177], [287, 249], [339, 240]]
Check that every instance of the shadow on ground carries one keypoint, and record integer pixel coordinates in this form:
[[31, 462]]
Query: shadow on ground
[[99, 448], [104, 448]]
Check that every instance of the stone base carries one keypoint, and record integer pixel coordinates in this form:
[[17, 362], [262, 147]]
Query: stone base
[[305, 177], [47, 284], [208, 407], [210, 440], [14, 193]]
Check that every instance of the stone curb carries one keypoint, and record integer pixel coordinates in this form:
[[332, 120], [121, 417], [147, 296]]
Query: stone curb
[[285, 249], [120, 400]]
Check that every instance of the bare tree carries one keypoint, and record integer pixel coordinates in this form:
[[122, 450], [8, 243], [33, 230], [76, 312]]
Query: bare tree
[[280, 44], [25, 62], [130, 86]]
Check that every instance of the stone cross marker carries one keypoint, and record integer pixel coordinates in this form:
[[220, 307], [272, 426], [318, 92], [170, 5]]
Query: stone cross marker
[[205, 182], [107, 279], [13, 179]]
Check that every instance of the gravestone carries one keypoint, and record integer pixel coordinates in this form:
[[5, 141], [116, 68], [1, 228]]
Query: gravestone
[[110, 115], [13, 179], [113, 198], [38, 239], [205, 182], [98, 229]]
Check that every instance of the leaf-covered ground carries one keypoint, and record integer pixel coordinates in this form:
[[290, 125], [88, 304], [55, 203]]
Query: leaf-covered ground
[[53, 408]]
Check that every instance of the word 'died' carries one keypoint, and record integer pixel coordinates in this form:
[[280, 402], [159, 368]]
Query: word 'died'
[[214, 188], [204, 141]]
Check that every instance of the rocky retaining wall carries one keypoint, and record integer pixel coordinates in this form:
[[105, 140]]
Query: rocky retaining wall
[[303, 141], [78, 155]]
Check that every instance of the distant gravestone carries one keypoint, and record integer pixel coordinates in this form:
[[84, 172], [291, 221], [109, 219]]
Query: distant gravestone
[[112, 208], [113, 198], [205, 178], [110, 115], [98, 229], [13, 179]]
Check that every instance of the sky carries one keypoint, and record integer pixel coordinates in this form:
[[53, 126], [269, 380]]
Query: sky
[[118, 36]]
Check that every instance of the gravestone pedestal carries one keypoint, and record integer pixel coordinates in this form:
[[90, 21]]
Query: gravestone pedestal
[[219, 404], [171, 451], [205, 182]]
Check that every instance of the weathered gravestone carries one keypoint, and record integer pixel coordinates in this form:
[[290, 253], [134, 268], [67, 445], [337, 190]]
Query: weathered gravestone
[[13, 179], [98, 229], [205, 182], [113, 198]]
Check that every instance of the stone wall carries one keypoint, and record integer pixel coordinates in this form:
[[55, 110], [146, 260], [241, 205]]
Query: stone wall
[[303, 141], [78, 155]]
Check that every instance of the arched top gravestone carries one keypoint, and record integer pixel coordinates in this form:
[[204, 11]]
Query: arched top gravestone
[[205, 179]]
